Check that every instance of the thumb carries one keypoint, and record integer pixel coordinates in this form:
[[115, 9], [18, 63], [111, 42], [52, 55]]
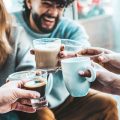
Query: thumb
[[62, 47], [21, 93], [32, 52], [20, 107], [86, 73], [105, 58]]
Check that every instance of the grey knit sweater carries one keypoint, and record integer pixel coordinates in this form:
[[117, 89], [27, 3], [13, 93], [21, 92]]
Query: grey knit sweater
[[19, 59]]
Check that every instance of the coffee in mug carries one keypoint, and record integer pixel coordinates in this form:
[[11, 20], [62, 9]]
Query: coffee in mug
[[46, 52], [38, 85]]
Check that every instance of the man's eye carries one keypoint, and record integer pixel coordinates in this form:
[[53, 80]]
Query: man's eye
[[60, 6], [46, 4]]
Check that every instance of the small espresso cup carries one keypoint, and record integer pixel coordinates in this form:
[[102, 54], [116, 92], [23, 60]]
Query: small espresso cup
[[76, 85], [38, 81]]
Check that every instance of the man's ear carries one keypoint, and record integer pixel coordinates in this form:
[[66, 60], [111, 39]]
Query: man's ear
[[29, 4]]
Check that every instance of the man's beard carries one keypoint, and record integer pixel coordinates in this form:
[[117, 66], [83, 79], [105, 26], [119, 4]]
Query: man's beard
[[38, 22]]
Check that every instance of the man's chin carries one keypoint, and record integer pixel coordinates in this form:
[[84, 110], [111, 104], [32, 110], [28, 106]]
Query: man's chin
[[46, 30]]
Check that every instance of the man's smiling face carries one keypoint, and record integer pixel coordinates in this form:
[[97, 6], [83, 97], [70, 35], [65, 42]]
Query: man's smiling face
[[45, 14]]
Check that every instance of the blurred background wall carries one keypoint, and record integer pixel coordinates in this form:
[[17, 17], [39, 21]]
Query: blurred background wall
[[13, 5], [116, 22]]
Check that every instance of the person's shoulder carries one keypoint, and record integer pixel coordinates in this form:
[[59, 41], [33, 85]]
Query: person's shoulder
[[18, 17], [19, 34], [16, 29], [17, 13], [70, 23]]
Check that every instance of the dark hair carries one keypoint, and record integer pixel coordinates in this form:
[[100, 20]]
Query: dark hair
[[62, 3], [27, 11]]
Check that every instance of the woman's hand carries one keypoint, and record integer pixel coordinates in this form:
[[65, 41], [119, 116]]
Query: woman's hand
[[11, 92]]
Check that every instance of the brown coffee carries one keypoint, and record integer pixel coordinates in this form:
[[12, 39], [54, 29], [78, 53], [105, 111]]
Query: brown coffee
[[47, 58], [39, 85], [36, 85]]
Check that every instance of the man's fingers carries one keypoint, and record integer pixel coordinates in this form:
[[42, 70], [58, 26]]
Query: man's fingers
[[105, 58], [86, 73], [62, 54], [62, 47], [21, 93], [32, 52], [25, 101], [19, 107], [65, 54], [90, 51], [97, 54]]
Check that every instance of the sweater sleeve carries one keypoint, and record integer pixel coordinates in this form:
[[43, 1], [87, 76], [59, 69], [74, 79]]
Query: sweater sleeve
[[73, 30], [24, 60], [78, 33]]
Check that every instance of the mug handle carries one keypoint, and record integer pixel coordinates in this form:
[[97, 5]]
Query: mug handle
[[93, 74], [49, 83]]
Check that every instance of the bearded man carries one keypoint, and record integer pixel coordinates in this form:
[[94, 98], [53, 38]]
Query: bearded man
[[44, 19]]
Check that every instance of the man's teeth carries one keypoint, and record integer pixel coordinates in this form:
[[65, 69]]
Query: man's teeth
[[49, 19]]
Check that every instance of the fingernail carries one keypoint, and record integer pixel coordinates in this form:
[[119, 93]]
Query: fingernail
[[81, 72], [61, 55], [36, 94], [101, 58]]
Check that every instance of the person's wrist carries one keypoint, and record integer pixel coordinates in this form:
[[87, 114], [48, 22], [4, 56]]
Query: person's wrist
[[115, 84]]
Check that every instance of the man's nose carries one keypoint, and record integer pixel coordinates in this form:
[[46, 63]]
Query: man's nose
[[53, 11]]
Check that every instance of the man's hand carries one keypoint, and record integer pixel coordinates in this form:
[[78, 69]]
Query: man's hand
[[66, 54], [110, 60], [106, 81], [11, 92]]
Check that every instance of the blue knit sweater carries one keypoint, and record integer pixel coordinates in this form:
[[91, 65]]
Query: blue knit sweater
[[66, 29]]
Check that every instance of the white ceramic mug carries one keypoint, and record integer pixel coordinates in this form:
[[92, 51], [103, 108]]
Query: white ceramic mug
[[76, 85]]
